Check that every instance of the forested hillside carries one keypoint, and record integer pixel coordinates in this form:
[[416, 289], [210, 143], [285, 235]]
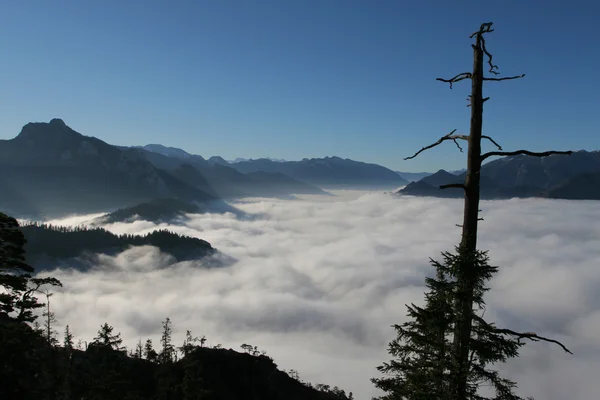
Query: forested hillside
[[65, 242]]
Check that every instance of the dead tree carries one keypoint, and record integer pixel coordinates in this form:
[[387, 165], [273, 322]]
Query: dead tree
[[471, 187]]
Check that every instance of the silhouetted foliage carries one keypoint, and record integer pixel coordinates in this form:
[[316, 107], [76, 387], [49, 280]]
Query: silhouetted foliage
[[422, 367], [18, 297], [107, 339]]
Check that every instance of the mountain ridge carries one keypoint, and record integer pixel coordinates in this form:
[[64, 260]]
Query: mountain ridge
[[51, 170], [575, 176]]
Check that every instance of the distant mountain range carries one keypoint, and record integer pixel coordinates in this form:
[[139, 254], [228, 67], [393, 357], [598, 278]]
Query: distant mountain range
[[557, 176], [50, 171], [328, 172], [219, 178], [237, 160]]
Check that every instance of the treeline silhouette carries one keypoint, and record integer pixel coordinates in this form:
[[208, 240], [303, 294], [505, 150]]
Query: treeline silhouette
[[65, 242], [37, 365]]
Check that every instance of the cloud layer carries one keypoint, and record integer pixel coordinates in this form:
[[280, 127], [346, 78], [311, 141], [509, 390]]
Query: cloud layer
[[319, 281]]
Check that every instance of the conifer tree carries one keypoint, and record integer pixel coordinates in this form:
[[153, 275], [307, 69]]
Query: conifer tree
[[17, 301], [189, 343], [139, 350], [68, 338], [65, 389], [149, 352], [446, 348], [166, 354], [106, 338], [50, 319]]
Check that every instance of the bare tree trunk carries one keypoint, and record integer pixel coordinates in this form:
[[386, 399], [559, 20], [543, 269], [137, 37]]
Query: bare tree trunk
[[468, 245]]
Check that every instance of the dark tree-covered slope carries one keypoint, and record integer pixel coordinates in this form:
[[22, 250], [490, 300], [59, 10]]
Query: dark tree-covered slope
[[57, 242], [32, 369], [159, 210]]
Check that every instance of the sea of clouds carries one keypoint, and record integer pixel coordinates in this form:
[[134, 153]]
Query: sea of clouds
[[319, 281]]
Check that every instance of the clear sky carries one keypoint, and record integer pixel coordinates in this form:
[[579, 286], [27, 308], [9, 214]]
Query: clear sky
[[292, 79]]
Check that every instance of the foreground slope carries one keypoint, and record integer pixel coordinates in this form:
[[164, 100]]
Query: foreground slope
[[99, 371]]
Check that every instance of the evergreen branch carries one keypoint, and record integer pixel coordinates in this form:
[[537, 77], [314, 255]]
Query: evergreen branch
[[506, 78], [457, 78], [526, 152], [450, 136], [493, 141]]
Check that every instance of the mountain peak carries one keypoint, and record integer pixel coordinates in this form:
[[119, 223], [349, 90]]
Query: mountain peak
[[55, 129], [217, 160], [57, 122]]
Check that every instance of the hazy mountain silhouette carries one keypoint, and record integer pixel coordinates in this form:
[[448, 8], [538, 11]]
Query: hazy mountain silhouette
[[413, 176], [224, 180], [217, 160], [50, 170], [328, 172], [441, 177]]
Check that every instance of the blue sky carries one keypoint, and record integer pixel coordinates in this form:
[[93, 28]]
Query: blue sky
[[293, 79]]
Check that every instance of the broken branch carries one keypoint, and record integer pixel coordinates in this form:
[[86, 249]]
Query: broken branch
[[525, 152], [506, 78], [525, 335], [531, 336], [457, 78], [453, 185], [487, 53], [484, 28], [450, 136], [492, 140]]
